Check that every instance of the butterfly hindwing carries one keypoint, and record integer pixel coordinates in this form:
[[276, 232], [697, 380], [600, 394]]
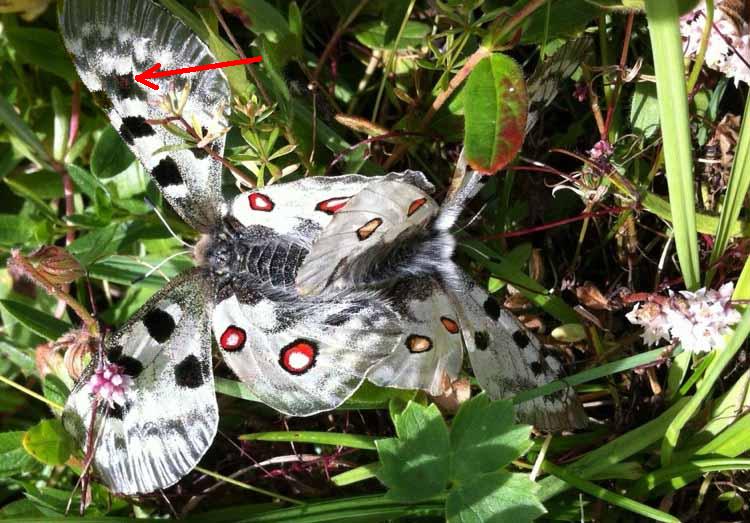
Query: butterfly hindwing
[[430, 352], [507, 359], [169, 417], [304, 207], [363, 233], [113, 40], [304, 357]]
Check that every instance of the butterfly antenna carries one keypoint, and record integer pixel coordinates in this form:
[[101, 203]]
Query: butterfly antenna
[[151, 204], [472, 220], [159, 266]]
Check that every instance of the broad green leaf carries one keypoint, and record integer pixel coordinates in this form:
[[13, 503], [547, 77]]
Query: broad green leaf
[[375, 35], [494, 498], [48, 442], [13, 458], [566, 19], [37, 322], [495, 120], [111, 155], [370, 396], [15, 230], [415, 464], [644, 110], [261, 18], [97, 244], [18, 356], [86, 182], [43, 184], [484, 438], [42, 48], [55, 390]]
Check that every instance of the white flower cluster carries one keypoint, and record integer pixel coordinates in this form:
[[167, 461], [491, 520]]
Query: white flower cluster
[[728, 44], [699, 320]]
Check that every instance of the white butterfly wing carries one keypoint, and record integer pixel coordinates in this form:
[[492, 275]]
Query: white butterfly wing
[[362, 233], [507, 359], [304, 207], [170, 416], [303, 357], [113, 40], [431, 350]]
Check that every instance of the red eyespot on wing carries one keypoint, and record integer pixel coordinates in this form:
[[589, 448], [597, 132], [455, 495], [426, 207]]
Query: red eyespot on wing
[[298, 357], [233, 339], [260, 202], [332, 205], [415, 205], [449, 324]]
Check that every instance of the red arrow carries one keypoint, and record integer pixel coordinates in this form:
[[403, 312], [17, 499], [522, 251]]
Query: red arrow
[[153, 71]]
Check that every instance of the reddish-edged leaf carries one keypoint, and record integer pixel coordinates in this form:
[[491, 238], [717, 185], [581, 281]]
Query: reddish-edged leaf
[[496, 107]]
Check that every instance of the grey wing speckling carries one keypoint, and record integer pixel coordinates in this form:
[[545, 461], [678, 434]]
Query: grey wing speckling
[[113, 40], [169, 418]]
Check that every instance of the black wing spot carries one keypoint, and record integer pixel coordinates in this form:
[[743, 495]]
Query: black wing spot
[[125, 86], [167, 172], [117, 411], [188, 373], [481, 340], [130, 366], [159, 324], [537, 368], [199, 153], [492, 308], [521, 338], [135, 127]]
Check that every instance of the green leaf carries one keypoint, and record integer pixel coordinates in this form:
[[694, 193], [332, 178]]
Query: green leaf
[[13, 458], [494, 498], [262, 18], [23, 132], [86, 182], [40, 323], [15, 230], [97, 244], [48, 442], [370, 396], [42, 48], [375, 35], [111, 155], [644, 110], [496, 117], [566, 19], [55, 390], [415, 465], [484, 438]]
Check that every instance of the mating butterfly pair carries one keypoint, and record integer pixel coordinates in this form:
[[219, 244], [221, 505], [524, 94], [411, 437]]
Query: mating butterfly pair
[[308, 287]]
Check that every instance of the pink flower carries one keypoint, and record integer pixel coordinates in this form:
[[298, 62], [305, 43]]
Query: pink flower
[[110, 383], [601, 150]]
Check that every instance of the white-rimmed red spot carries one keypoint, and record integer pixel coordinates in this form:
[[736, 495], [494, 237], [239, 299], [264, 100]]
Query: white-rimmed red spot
[[417, 344], [367, 229], [332, 205], [233, 339], [298, 357], [260, 202]]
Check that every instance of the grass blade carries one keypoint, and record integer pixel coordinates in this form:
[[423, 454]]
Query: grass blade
[[664, 30], [739, 182], [354, 441]]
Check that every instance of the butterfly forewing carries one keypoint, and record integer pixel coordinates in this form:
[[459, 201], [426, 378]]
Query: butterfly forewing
[[169, 417], [113, 40]]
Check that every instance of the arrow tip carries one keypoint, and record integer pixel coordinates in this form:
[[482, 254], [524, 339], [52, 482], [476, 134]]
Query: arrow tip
[[148, 73]]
